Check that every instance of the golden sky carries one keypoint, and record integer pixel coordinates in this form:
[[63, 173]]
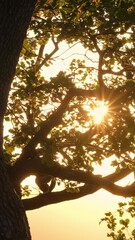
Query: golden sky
[[77, 220]]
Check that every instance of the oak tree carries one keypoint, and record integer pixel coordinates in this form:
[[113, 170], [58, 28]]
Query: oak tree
[[52, 130]]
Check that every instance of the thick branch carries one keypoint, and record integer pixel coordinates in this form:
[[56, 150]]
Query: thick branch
[[94, 40], [39, 57], [56, 197], [48, 56], [100, 72]]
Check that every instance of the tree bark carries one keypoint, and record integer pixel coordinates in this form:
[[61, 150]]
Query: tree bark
[[13, 221], [15, 18]]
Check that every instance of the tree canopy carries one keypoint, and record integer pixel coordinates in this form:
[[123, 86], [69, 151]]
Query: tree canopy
[[53, 130]]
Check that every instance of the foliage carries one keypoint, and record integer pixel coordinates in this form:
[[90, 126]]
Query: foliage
[[119, 223], [25, 191]]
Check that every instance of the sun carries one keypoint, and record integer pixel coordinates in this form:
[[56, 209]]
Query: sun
[[98, 112]]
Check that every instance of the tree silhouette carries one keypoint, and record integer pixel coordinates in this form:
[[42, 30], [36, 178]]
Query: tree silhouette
[[52, 133]]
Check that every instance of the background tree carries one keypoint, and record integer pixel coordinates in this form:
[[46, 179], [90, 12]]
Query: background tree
[[120, 221], [65, 143]]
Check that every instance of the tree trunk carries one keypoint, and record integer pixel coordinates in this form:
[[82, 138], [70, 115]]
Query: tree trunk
[[15, 17], [13, 221]]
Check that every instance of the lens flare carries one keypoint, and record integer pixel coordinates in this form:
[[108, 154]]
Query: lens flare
[[99, 112]]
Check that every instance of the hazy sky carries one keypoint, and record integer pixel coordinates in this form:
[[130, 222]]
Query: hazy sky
[[77, 220]]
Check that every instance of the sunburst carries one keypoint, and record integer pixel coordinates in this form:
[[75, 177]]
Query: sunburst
[[98, 112]]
